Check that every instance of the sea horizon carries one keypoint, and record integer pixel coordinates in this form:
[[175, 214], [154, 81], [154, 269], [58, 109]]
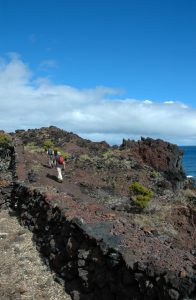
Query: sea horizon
[[189, 160]]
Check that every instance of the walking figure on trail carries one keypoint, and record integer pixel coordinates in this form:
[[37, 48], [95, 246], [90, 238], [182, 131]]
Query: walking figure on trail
[[50, 153], [60, 165]]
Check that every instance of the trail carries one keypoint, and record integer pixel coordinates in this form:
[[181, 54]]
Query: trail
[[23, 274]]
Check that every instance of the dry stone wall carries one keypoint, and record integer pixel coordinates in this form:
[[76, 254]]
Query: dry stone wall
[[86, 259], [6, 167]]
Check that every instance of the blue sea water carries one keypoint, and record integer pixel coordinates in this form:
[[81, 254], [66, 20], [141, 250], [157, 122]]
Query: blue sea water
[[189, 160]]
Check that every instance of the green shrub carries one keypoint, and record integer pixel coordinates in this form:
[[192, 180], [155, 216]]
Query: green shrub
[[48, 144], [154, 174], [4, 140], [142, 201], [140, 195]]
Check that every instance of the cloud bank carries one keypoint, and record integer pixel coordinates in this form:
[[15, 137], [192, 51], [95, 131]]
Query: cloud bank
[[98, 113]]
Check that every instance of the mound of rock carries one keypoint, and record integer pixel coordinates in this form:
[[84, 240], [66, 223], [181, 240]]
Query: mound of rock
[[160, 155]]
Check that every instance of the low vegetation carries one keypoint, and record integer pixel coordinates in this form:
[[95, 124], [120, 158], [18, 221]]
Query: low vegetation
[[85, 157], [154, 174], [48, 144], [140, 195], [4, 139], [32, 147], [190, 194]]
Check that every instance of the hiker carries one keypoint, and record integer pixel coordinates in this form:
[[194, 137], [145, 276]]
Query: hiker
[[50, 154], [60, 165]]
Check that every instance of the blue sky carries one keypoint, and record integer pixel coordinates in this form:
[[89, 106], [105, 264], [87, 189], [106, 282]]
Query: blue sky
[[116, 68]]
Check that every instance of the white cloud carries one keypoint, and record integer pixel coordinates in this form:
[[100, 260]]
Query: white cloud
[[147, 101], [169, 102], [91, 113]]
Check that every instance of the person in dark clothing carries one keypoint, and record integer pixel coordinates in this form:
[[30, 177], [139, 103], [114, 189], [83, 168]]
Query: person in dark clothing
[[50, 153]]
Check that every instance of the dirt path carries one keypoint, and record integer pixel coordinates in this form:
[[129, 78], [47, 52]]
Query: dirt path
[[23, 275], [40, 174]]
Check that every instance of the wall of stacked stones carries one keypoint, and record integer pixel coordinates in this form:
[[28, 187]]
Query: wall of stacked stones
[[89, 269], [6, 167]]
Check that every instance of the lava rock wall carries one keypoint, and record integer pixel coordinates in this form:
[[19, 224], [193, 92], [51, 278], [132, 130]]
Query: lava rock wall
[[6, 186], [89, 267]]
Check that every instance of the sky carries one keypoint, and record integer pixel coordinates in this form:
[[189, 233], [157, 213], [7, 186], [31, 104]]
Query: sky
[[104, 69]]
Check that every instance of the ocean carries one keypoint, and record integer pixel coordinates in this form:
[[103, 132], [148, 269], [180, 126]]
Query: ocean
[[189, 160]]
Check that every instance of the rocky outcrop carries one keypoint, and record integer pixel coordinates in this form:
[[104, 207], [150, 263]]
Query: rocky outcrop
[[162, 156], [63, 138]]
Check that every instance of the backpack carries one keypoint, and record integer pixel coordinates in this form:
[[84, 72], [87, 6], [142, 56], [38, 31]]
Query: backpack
[[60, 159]]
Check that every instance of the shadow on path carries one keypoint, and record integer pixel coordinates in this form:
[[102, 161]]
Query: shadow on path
[[53, 177], [46, 166]]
